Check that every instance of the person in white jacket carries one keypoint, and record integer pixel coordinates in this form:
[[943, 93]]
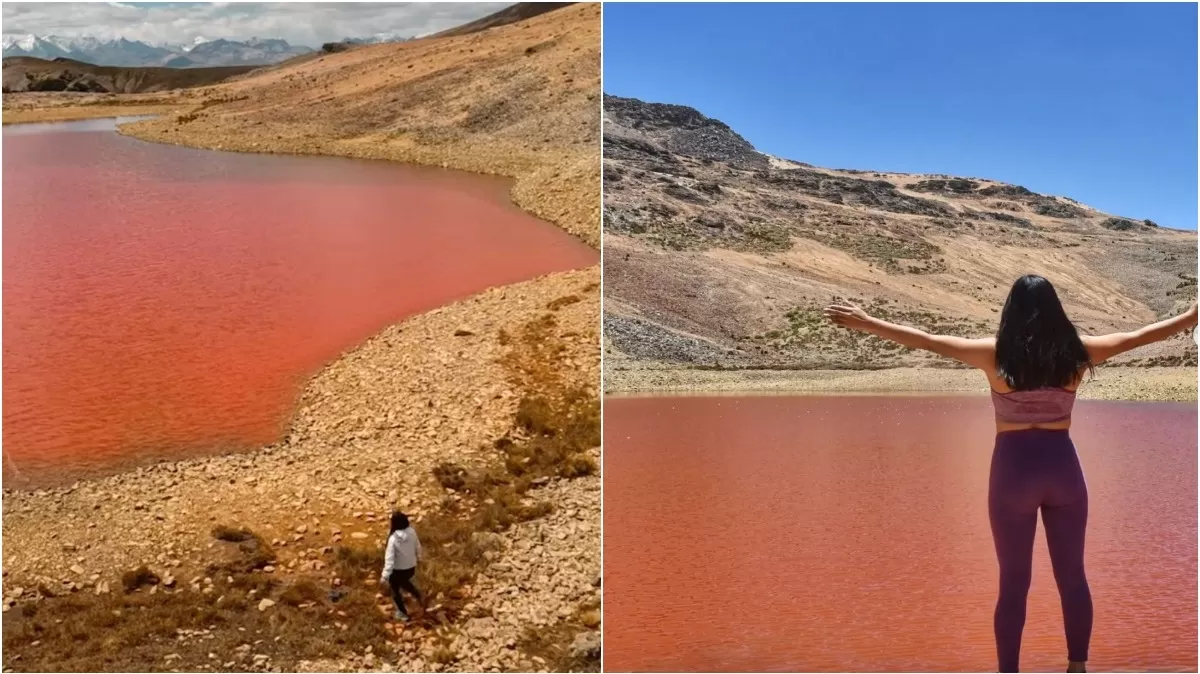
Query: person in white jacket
[[400, 562]]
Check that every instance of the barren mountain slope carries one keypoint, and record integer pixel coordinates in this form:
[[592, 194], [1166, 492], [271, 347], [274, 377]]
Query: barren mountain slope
[[717, 255], [518, 100], [510, 14]]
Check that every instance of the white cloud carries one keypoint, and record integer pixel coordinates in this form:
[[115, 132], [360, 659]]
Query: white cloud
[[180, 23]]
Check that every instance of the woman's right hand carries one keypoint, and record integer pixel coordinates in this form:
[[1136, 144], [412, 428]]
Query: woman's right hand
[[848, 316]]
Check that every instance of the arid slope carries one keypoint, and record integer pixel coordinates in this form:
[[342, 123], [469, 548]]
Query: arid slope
[[719, 256], [510, 14], [519, 100]]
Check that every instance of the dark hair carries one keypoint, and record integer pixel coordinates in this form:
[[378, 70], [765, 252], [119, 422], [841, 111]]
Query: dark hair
[[399, 522], [1037, 346]]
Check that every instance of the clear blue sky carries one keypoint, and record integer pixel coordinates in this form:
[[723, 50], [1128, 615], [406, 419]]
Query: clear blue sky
[[1092, 101]]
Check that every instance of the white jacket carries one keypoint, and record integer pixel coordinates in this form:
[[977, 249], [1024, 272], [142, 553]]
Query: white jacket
[[403, 551]]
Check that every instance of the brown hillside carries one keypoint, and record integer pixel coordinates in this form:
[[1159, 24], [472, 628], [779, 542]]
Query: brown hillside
[[25, 73], [518, 100], [513, 14], [719, 256]]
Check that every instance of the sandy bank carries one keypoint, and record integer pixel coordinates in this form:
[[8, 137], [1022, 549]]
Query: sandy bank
[[1111, 383]]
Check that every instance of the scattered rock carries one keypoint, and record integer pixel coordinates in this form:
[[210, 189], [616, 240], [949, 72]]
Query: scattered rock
[[586, 646]]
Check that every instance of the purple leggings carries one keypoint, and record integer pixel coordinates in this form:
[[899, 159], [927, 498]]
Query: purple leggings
[[1034, 469]]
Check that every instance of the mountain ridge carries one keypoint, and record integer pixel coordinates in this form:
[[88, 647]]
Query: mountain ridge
[[671, 116], [121, 52], [718, 255]]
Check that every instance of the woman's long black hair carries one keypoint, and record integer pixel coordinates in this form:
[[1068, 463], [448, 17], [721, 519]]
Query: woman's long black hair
[[399, 522], [1037, 345]]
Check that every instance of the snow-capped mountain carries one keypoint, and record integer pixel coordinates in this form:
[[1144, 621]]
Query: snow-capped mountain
[[221, 52], [32, 45], [379, 38], [133, 53]]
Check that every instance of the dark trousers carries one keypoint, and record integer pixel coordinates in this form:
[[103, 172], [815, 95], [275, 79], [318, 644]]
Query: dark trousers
[[1038, 470], [402, 579]]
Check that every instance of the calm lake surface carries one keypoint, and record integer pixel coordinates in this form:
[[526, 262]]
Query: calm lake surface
[[851, 534], [160, 301]]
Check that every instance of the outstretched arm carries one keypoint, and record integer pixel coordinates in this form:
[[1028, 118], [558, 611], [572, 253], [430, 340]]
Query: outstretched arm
[[979, 353], [1102, 347]]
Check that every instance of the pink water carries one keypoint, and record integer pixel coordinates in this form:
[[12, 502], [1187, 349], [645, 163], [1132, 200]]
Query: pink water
[[851, 534], [160, 301]]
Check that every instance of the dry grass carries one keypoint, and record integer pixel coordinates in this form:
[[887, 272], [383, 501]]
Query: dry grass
[[809, 337], [251, 552], [553, 644], [561, 302], [215, 625]]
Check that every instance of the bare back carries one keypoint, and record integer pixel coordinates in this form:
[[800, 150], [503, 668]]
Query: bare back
[[987, 365]]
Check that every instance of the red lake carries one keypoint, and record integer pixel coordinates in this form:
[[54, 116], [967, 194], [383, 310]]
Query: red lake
[[850, 534], [161, 301]]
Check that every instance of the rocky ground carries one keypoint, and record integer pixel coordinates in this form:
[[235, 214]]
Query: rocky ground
[[438, 389], [718, 256]]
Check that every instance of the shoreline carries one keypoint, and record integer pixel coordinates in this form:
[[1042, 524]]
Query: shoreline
[[526, 192], [1158, 384], [81, 113]]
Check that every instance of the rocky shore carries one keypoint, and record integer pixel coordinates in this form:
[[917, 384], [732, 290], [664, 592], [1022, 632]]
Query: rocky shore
[[368, 432], [39, 107], [371, 427]]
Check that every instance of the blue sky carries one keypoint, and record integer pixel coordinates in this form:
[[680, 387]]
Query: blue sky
[[1092, 101]]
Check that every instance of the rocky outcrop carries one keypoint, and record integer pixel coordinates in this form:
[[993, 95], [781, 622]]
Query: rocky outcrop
[[681, 130]]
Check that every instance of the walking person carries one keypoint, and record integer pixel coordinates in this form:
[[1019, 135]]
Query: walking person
[[400, 562], [1034, 365]]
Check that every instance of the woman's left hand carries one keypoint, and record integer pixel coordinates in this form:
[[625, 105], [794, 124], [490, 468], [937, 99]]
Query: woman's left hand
[[847, 316]]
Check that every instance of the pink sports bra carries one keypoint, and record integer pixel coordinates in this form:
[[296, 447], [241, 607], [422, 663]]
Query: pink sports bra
[[1038, 406]]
